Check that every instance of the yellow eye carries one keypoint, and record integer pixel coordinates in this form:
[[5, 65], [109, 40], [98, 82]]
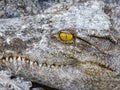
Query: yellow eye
[[66, 36]]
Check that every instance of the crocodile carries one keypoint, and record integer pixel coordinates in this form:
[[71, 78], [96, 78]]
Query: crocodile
[[68, 47]]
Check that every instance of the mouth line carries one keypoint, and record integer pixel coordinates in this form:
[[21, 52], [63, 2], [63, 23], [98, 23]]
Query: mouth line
[[94, 62], [24, 59]]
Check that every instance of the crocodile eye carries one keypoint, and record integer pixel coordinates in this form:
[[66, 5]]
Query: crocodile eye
[[66, 37]]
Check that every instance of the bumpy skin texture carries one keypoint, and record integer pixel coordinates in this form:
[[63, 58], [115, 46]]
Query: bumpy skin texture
[[8, 83], [31, 47]]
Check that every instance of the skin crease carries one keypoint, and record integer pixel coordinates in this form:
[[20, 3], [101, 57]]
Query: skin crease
[[32, 48]]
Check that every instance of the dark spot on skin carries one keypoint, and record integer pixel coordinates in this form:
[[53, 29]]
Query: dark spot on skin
[[12, 77], [107, 10]]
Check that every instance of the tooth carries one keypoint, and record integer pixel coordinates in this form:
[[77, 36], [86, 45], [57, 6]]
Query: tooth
[[43, 64], [31, 63], [7, 59], [52, 66], [40, 65], [27, 61], [35, 63], [23, 60], [48, 66], [19, 59], [3, 61], [11, 60], [14, 58], [61, 66]]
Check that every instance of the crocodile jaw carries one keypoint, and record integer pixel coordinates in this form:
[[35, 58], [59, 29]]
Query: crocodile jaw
[[42, 50]]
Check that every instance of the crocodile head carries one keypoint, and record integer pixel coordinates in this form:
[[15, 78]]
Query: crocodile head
[[61, 49]]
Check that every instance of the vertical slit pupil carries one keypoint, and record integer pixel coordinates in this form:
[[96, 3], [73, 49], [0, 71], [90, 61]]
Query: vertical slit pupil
[[66, 36]]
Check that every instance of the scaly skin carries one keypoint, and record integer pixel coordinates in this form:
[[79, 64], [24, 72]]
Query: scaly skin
[[30, 47]]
